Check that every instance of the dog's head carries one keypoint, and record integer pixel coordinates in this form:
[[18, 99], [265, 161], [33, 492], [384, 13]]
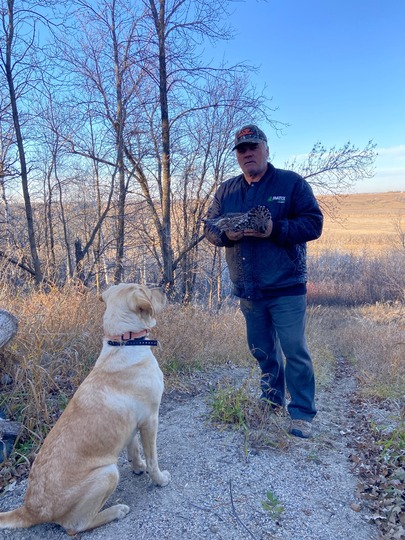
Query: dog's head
[[131, 308]]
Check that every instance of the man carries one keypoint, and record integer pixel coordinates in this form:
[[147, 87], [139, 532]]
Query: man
[[268, 271]]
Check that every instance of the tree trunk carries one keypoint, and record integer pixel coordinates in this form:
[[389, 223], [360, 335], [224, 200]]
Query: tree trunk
[[6, 209], [165, 238], [119, 130], [119, 270], [20, 145]]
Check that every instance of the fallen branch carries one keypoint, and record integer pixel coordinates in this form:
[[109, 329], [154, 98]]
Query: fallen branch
[[236, 514]]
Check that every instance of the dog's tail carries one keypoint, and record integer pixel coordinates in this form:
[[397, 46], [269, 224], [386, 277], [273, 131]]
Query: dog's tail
[[16, 519]]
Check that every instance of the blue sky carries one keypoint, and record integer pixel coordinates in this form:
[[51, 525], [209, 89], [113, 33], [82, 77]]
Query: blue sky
[[335, 70]]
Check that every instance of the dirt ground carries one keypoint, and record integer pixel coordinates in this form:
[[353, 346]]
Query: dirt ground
[[219, 483]]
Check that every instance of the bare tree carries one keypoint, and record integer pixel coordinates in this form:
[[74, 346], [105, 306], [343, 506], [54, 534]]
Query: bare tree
[[76, 200], [51, 154], [335, 171], [177, 28], [16, 56], [7, 169], [139, 80], [182, 87], [206, 161], [103, 59]]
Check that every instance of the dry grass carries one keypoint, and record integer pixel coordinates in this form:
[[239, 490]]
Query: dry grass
[[372, 339], [59, 338], [321, 342], [367, 223], [196, 338], [375, 342]]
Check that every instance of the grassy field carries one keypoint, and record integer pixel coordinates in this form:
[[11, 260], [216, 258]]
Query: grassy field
[[363, 222], [58, 338], [59, 335]]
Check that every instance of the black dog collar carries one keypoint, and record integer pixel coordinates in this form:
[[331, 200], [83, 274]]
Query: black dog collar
[[131, 342]]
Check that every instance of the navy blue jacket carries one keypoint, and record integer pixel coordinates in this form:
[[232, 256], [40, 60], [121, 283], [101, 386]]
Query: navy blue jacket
[[263, 267]]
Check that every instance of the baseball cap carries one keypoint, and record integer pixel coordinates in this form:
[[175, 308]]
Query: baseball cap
[[249, 134]]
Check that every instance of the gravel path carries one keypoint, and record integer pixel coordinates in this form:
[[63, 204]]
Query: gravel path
[[217, 487]]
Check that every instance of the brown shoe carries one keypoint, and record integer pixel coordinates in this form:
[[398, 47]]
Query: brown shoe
[[301, 428]]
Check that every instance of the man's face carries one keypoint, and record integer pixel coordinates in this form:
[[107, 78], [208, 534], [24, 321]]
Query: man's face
[[252, 159]]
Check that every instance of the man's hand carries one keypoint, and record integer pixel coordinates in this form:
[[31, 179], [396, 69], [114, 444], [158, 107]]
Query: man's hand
[[234, 236], [265, 234]]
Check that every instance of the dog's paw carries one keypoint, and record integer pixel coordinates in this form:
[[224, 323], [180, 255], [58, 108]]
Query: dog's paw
[[139, 467], [163, 479], [122, 510]]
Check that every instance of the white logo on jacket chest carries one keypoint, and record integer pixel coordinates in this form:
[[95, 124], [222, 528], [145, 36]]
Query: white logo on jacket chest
[[277, 198]]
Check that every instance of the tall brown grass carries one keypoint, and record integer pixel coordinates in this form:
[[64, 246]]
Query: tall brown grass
[[193, 337], [374, 340], [350, 279], [60, 336]]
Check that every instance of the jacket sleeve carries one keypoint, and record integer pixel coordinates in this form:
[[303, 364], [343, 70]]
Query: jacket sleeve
[[305, 219], [212, 233]]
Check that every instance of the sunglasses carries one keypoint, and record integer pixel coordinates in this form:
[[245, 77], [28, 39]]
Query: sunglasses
[[241, 149]]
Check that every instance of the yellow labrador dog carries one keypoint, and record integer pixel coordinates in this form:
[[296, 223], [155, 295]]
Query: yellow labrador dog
[[76, 469]]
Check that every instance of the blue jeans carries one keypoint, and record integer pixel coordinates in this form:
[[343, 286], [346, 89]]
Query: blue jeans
[[276, 326]]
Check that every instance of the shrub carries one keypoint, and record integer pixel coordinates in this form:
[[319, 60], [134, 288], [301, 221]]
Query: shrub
[[352, 280]]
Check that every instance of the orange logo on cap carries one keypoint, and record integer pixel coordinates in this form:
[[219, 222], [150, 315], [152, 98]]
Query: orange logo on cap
[[246, 131]]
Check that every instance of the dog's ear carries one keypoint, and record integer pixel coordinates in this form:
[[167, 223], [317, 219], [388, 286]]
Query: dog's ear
[[148, 301], [140, 302], [158, 299], [104, 295]]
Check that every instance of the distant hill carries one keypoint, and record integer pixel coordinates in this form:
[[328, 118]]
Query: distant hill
[[363, 222]]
